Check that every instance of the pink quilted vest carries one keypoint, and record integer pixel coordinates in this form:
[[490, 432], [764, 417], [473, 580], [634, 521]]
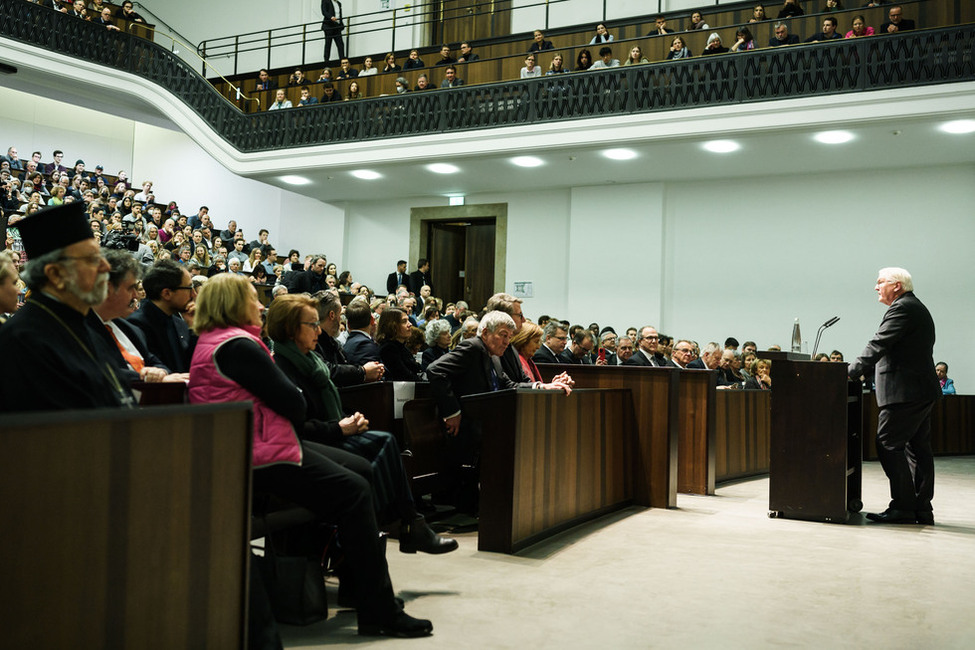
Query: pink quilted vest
[[275, 440]]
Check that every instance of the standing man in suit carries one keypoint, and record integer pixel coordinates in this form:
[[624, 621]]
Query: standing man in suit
[[421, 276], [398, 277], [647, 353], [901, 356], [332, 26]]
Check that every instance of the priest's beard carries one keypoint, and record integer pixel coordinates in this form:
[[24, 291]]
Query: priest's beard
[[91, 298]]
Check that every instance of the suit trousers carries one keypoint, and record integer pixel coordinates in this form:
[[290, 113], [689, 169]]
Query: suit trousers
[[904, 449], [343, 497], [334, 35]]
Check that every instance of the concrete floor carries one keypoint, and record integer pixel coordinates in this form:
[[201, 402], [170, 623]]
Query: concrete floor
[[714, 573]]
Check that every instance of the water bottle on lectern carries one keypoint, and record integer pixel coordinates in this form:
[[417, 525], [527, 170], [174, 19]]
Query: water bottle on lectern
[[796, 337]]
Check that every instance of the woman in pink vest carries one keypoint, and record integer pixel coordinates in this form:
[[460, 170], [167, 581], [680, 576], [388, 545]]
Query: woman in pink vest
[[232, 364]]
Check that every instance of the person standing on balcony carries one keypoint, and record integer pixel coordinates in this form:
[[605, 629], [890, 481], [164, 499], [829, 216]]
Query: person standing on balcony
[[332, 27]]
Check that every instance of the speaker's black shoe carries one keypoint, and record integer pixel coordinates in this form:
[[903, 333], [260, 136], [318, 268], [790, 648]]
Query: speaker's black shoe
[[418, 536], [400, 625], [925, 517], [892, 516]]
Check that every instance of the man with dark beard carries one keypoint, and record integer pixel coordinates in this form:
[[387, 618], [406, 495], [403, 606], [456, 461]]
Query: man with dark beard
[[60, 365]]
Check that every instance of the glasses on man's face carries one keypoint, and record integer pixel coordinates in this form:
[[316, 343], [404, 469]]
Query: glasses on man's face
[[187, 288]]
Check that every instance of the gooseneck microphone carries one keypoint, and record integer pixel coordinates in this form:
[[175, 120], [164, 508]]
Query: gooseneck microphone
[[832, 321]]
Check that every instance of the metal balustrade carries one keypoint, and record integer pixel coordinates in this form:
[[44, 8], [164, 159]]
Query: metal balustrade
[[914, 58]]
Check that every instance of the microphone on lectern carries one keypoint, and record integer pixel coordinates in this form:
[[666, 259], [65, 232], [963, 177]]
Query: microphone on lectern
[[832, 321]]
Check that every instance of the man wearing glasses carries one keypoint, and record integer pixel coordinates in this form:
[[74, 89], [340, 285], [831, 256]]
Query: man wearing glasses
[[554, 337], [60, 365], [683, 353], [166, 315], [647, 353]]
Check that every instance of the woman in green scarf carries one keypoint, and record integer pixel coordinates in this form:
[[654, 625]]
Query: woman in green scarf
[[293, 326]]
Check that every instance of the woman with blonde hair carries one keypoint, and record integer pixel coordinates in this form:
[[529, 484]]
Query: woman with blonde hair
[[232, 364], [526, 341]]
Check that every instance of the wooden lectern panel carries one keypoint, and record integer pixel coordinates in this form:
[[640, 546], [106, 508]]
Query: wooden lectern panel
[[126, 529]]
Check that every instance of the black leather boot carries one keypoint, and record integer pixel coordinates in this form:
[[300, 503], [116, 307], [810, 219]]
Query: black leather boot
[[418, 536]]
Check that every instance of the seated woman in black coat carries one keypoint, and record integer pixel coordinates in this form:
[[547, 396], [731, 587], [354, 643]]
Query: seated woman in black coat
[[293, 326], [392, 333], [438, 341]]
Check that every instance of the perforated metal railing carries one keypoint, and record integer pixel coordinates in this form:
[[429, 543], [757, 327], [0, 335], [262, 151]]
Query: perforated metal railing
[[856, 65]]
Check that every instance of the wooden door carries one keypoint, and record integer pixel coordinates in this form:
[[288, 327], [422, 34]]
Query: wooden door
[[461, 258], [479, 274]]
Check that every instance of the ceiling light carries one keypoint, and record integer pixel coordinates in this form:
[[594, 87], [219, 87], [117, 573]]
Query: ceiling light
[[833, 137], [958, 127], [528, 161], [366, 174], [456, 200], [443, 168], [295, 180], [722, 146], [620, 154]]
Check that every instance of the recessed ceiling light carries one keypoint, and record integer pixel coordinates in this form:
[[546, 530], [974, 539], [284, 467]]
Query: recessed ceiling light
[[295, 180], [366, 174], [443, 168], [620, 154], [722, 146], [527, 161], [833, 137], [958, 126]]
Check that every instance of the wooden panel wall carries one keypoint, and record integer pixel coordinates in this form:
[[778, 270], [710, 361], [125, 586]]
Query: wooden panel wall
[[952, 426], [126, 529], [742, 433], [696, 416]]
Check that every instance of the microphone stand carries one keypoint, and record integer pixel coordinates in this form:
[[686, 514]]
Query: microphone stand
[[832, 321]]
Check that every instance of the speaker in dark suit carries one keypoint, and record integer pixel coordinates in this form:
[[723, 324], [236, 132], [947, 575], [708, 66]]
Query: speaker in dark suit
[[901, 353]]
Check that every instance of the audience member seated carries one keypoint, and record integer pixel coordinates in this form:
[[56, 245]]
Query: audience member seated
[[606, 59], [647, 353], [360, 348], [437, 338], [790, 8], [467, 53], [760, 377], [354, 92], [392, 333], [414, 61], [729, 373], [636, 56], [298, 78], [390, 63], [836, 356], [539, 44], [264, 81], [127, 13], [510, 361], [860, 28], [329, 94], [451, 80], [423, 83], [744, 40], [829, 31], [293, 326], [133, 361], [583, 61], [697, 22], [660, 27], [59, 365], [678, 50], [683, 353], [557, 65], [580, 350], [346, 71], [947, 385], [306, 97], [714, 45], [325, 76], [10, 284], [602, 35], [782, 36], [526, 343], [368, 69], [530, 69], [231, 363], [280, 101], [608, 342], [554, 337], [445, 56], [624, 349], [467, 330], [166, 315], [896, 22]]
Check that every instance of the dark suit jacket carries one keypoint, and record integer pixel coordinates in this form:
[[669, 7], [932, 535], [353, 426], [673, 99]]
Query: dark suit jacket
[[360, 348], [640, 359], [697, 364], [905, 25], [545, 355], [329, 11], [306, 282], [400, 364], [902, 353], [465, 370], [417, 280], [167, 337], [122, 368], [568, 357], [391, 282], [511, 364]]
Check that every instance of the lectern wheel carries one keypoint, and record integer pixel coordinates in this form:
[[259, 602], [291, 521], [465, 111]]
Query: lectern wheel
[[772, 514], [855, 505]]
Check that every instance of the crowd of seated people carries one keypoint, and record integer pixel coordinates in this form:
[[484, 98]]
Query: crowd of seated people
[[745, 40], [110, 16]]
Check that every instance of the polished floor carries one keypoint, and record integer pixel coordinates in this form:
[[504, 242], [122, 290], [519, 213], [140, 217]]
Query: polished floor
[[714, 573]]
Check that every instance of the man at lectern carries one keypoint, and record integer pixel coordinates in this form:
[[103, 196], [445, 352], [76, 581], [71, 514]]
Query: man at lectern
[[901, 355]]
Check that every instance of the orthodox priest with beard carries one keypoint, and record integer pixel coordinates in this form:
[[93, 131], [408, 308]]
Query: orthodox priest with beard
[[59, 365]]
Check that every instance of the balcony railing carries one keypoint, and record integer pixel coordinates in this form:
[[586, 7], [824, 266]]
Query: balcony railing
[[914, 58]]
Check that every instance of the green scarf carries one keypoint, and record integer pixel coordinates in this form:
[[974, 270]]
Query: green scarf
[[311, 366]]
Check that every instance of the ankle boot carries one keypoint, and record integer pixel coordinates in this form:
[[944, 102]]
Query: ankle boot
[[418, 536]]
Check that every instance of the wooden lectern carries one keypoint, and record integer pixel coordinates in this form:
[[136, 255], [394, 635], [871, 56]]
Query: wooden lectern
[[815, 463]]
